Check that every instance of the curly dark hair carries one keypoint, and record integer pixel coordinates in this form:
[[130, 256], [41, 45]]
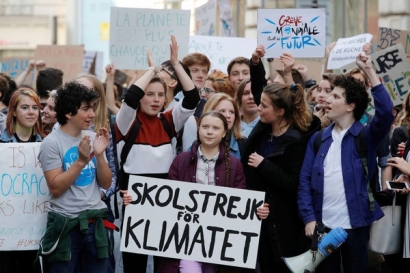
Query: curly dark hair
[[355, 92], [69, 99], [12, 86]]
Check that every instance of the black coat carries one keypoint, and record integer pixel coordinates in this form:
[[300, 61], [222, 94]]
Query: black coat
[[278, 176]]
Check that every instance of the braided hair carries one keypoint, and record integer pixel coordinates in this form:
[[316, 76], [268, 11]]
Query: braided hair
[[225, 140]]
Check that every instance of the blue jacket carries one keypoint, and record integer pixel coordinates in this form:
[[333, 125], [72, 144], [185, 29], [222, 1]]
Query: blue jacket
[[5, 138], [310, 193]]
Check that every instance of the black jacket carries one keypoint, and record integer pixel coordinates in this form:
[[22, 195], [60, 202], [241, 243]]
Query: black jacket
[[278, 176]]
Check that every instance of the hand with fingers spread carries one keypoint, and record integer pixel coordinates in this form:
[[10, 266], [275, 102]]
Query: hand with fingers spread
[[101, 141], [84, 149]]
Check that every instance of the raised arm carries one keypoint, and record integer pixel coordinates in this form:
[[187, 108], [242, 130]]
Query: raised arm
[[258, 73], [23, 75], [109, 89], [288, 62], [186, 81]]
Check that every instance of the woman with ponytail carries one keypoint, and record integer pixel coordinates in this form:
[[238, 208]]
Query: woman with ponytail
[[208, 162], [272, 162]]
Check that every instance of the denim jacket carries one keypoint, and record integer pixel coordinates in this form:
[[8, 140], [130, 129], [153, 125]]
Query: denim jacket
[[5, 138]]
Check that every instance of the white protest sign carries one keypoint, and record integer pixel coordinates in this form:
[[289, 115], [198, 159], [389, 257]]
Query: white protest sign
[[347, 49], [393, 70], [205, 18], [192, 221], [135, 31], [300, 32], [24, 197], [221, 50]]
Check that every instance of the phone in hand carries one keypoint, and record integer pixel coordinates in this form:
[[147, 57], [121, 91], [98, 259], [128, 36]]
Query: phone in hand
[[396, 185]]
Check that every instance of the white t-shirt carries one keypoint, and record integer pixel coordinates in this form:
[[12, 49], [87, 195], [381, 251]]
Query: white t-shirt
[[335, 212], [59, 150]]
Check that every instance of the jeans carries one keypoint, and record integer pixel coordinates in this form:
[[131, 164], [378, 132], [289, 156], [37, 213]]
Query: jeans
[[351, 256], [83, 255]]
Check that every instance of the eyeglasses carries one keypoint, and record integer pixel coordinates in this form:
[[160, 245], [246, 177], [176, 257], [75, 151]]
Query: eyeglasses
[[169, 73], [207, 90]]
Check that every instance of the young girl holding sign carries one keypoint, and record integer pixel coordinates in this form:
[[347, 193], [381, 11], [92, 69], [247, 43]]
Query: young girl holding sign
[[23, 125], [151, 153], [208, 162]]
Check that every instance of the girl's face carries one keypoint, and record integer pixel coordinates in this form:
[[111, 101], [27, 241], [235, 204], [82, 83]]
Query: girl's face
[[248, 103], [267, 112], [226, 108], [49, 113], [154, 99], [211, 131], [323, 92], [26, 113], [208, 90]]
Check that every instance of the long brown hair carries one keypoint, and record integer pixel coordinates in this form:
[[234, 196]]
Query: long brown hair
[[292, 101], [213, 101], [14, 101], [101, 109]]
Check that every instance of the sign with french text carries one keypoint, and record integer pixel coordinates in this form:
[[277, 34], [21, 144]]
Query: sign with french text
[[134, 31], [300, 32], [393, 70], [389, 37], [205, 18], [67, 58], [24, 197], [221, 50], [347, 49], [192, 221], [14, 66]]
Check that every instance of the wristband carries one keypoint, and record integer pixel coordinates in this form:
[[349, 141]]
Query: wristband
[[153, 69]]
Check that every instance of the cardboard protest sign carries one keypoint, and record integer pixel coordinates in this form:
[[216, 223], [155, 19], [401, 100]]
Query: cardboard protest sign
[[301, 32], [68, 59], [135, 31], [393, 70], [192, 221], [24, 197], [205, 18], [389, 37], [347, 49], [14, 66], [221, 50]]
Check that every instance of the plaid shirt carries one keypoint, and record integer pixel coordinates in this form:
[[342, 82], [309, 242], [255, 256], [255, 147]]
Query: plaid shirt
[[205, 169]]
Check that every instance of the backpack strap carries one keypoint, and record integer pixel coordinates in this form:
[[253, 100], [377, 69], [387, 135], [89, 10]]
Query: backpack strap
[[361, 148], [179, 147], [318, 141], [166, 126], [126, 149]]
